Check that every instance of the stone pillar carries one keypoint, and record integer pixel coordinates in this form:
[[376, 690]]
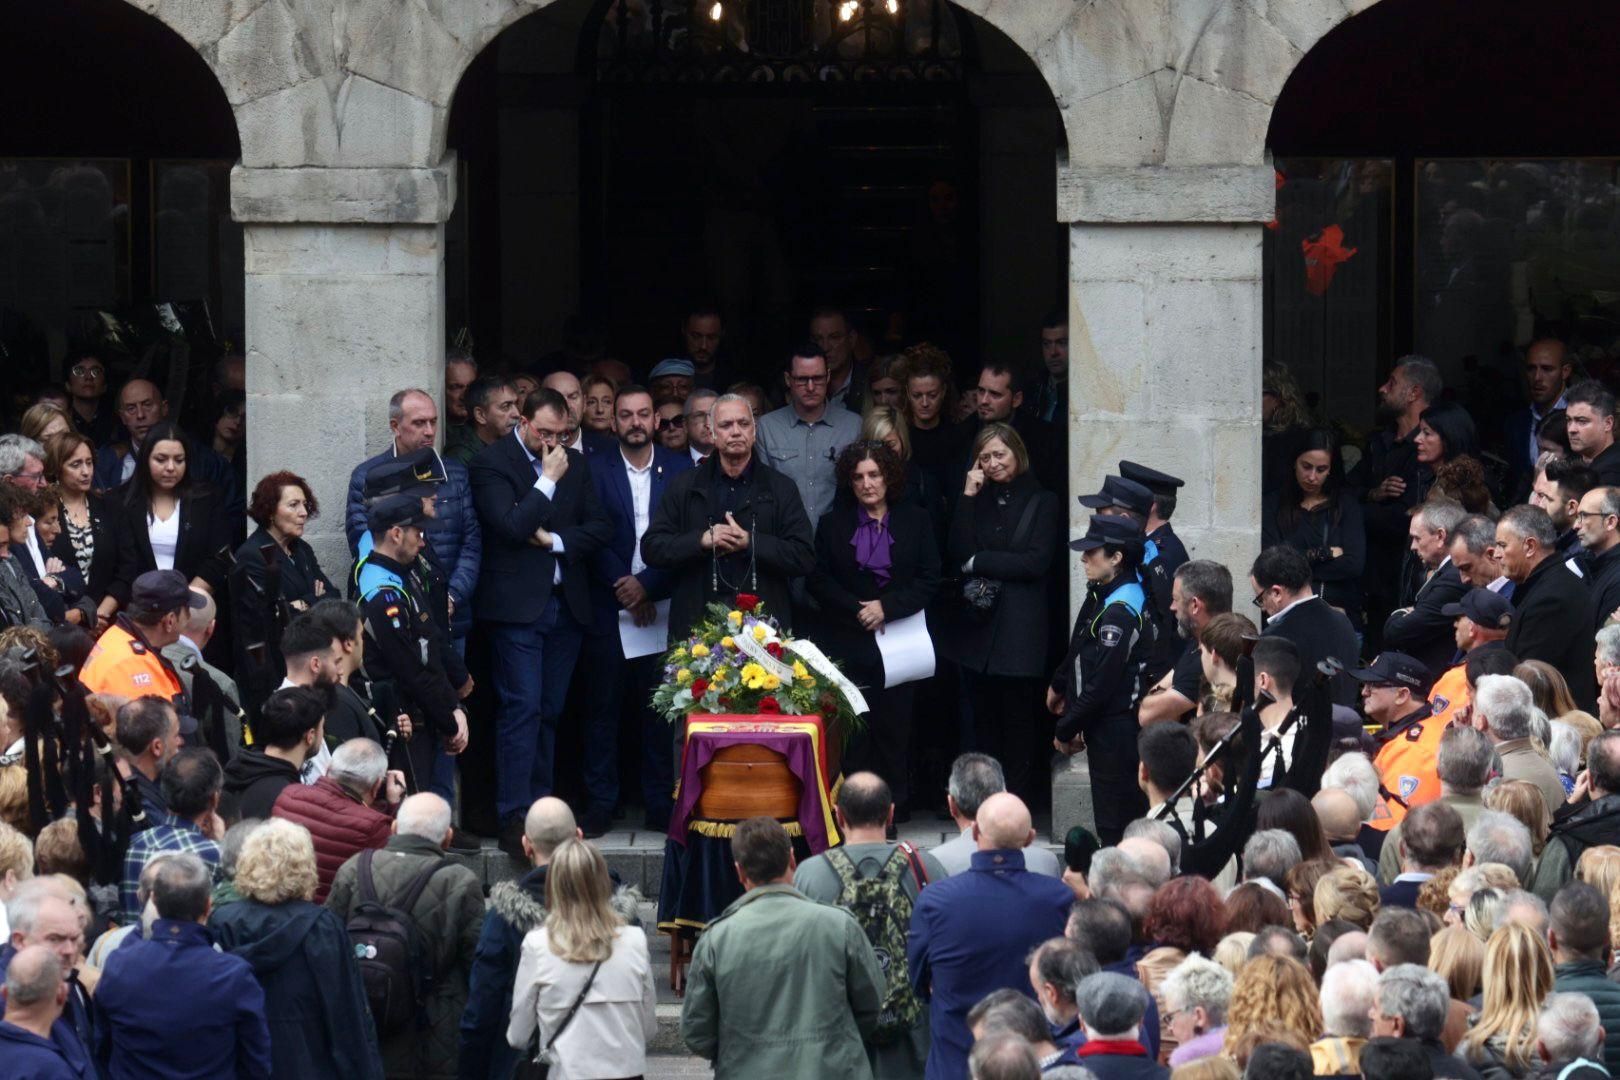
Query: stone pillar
[[1165, 342], [345, 305]]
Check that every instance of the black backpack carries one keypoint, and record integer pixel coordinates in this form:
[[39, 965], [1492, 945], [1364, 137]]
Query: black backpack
[[390, 949]]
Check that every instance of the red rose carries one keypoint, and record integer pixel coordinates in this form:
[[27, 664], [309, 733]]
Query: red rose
[[775, 649], [725, 702], [699, 686], [747, 602], [769, 705]]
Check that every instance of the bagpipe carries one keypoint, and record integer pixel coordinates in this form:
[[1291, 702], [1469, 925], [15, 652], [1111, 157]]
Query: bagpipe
[[70, 761], [271, 612]]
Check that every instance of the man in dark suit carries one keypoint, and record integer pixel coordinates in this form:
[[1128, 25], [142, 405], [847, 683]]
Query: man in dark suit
[[630, 481], [1547, 371], [1552, 608], [1281, 579], [542, 523], [1422, 629], [731, 525]]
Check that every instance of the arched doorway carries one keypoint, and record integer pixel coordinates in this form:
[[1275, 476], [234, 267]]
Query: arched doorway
[[115, 227], [1478, 195], [622, 161]]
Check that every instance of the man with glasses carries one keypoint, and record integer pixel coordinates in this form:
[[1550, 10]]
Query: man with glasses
[[1558, 489], [87, 399], [141, 407], [1598, 523], [803, 438], [1281, 579], [1553, 614], [670, 424]]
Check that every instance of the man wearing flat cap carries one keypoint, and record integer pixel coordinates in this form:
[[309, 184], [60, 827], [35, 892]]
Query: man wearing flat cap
[[128, 659], [671, 380], [1095, 690], [404, 655]]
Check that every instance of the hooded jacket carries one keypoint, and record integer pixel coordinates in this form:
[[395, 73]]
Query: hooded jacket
[[253, 781], [314, 1001]]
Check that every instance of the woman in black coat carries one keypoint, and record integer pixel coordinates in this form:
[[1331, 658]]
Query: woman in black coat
[[1005, 529], [1314, 513], [167, 521], [281, 506], [876, 563], [89, 539]]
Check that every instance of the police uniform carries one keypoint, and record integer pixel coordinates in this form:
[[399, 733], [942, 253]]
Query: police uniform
[[1122, 493], [1165, 555], [404, 650], [1101, 681]]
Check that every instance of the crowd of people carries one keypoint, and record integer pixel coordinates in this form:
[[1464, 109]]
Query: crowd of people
[[1368, 832]]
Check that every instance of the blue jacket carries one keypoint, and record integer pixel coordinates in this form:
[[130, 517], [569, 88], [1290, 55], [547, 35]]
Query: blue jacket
[[72, 1030], [454, 533], [215, 1028], [29, 1057], [970, 934], [612, 562], [515, 908]]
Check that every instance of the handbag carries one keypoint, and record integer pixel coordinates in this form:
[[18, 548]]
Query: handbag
[[537, 1064], [978, 594]]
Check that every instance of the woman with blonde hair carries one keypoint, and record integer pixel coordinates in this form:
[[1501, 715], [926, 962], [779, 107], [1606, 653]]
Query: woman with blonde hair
[[43, 420], [584, 981], [1233, 951], [1348, 893], [1550, 692], [1518, 976], [314, 1000], [1273, 990], [1600, 867], [1458, 956], [1523, 800], [1210, 1068], [887, 425]]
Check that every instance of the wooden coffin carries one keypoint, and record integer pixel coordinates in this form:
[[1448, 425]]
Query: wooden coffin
[[747, 780]]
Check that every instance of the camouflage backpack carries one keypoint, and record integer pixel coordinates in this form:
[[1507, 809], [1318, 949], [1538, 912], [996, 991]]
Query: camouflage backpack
[[880, 904]]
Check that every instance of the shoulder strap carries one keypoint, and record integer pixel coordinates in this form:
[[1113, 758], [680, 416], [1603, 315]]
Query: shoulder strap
[[574, 1008], [914, 858], [844, 867], [1024, 521], [413, 891], [368, 886]]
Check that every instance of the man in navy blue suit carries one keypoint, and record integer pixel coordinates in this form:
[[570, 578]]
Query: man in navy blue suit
[[630, 480], [542, 524]]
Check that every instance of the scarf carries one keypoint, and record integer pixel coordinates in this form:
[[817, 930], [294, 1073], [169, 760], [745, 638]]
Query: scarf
[[872, 541]]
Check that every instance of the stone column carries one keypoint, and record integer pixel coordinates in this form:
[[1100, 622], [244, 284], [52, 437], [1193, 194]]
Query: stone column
[[1165, 342], [345, 305]]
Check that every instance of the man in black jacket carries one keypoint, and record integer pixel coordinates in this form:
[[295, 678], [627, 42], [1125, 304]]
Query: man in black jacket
[[1589, 414], [1598, 522], [290, 727], [1552, 616], [732, 525], [1590, 819], [1281, 579], [542, 523], [1423, 630]]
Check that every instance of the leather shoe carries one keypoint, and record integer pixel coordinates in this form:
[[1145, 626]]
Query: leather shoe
[[465, 843]]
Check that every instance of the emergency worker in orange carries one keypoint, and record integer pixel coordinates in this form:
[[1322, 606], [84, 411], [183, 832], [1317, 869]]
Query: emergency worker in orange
[[128, 660]]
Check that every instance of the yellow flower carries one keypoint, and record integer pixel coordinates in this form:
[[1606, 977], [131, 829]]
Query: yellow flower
[[756, 684], [736, 618], [772, 682], [700, 650], [760, 631], [800, 671], [719, 676], [727, 643], [683, 676], [751, 671], [679, 653]]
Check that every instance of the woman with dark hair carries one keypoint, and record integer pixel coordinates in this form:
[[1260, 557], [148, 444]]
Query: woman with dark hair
[[1251, 908], [876, 563], [281, 506], [1445, 430], [1095, 690], [1004, 532], [167, 521], [1287, 809], [1184, 918], [1313, 512], [1552, 436], [88, 538], [228, 433]]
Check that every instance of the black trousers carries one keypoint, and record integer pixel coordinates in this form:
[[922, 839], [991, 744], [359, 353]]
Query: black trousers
[[1004, 725], [884, 746], [1116, 799]]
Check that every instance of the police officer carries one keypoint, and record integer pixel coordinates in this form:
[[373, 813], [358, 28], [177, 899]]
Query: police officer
[[1095, 690], [404, 654], [1168, 556], [1132, 501]]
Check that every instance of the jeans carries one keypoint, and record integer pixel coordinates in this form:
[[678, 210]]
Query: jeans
[[533, 664], [611, 680]]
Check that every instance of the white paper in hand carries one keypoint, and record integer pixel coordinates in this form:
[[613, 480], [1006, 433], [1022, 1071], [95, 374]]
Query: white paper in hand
[[645, 640], [907, 650]]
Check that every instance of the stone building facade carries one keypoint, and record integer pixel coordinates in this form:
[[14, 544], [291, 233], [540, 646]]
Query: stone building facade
[[344, 186]]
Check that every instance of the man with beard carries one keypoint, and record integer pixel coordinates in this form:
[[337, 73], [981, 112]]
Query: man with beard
[[1391, 478], [1598, 521], [314, 660], [1201, 590], [630, 483], [703, 330], [1557, 489]]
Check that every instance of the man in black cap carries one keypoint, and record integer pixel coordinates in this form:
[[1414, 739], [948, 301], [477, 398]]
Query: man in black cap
[[1394, 695], [1128, 499], [128, 659], [405, 654], [1095, 690], [1167, 553]]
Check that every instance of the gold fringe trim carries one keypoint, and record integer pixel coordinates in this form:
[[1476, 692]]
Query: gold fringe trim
[[725, 830]]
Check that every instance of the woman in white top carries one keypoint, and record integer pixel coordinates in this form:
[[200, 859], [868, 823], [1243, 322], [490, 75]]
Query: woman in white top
[[167, 521], [607, 1037]]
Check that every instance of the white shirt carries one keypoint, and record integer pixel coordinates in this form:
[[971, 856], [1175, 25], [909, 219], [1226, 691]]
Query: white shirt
[[1283, 611], [315, 767], [697, 455], [165, 537], [641, 502], [126, 468], [546, 486], [33, 549]]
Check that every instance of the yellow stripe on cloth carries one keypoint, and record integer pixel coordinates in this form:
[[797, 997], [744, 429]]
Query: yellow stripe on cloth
[[812, 728]]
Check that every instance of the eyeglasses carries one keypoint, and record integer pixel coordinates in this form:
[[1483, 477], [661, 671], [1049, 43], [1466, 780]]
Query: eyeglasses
[[670, 423], [1593, 513], [1259, 600], [807, 380], [87, 371]]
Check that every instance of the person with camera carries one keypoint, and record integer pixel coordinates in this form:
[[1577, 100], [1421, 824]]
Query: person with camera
[[1095, 690], [1004, 533]]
